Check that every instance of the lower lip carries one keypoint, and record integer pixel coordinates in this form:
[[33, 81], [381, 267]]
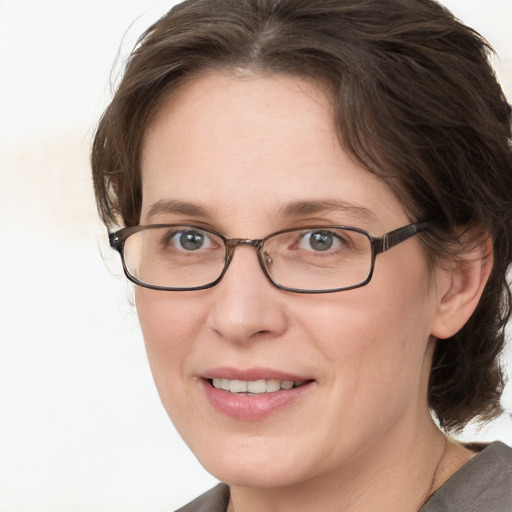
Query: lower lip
[[252, 407]]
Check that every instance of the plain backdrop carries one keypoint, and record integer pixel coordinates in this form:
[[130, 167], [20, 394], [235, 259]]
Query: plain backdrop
[[81, 425]]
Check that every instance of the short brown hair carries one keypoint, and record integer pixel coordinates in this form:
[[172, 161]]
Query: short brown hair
[[416, 103]]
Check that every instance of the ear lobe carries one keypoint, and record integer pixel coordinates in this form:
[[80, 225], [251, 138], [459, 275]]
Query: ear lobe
[[467, 280]]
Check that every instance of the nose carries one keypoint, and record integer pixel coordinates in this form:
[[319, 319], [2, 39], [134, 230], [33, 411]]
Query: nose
[[246, 305]]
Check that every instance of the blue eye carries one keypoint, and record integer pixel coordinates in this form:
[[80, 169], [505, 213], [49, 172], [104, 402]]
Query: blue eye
[[319, 241], [190, 240]]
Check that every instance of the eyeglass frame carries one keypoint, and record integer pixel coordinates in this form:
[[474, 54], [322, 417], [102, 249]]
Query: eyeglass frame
[[378, 245]]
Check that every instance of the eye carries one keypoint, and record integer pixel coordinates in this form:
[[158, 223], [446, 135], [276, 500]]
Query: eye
[[319, 241], [190, 240]]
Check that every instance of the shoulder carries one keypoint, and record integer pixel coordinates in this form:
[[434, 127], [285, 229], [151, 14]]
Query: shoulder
[[482, 484], [214, 500]]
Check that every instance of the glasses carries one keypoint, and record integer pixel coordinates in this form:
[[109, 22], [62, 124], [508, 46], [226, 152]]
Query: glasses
[[316, 259]]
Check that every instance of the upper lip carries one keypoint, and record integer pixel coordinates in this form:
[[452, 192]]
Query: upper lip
[[251, 374]]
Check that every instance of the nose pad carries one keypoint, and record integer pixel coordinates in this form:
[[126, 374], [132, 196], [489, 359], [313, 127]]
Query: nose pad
[[267, 259], [246, 304]]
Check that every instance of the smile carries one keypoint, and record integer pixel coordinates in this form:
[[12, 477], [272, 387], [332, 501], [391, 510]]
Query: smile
[[255, 387], [254, 398]]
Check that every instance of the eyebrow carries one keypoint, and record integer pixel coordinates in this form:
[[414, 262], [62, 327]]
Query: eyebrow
[[303, 208], [288, 210], [177, 207]]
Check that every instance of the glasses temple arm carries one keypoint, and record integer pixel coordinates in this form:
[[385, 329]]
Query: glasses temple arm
[[398, 236]]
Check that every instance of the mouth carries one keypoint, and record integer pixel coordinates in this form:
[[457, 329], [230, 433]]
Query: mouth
[[253, 394], [255, 387]]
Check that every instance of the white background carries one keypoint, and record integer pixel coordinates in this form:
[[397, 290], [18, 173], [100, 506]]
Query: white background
[[81, 426]]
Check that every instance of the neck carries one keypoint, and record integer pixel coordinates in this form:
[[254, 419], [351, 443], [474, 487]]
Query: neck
[[397, 475]]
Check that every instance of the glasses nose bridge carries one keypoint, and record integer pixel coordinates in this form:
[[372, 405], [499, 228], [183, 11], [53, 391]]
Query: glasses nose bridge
[[232, 243]]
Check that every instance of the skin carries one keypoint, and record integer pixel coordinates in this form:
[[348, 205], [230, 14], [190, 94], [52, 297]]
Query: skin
[[361, 438]]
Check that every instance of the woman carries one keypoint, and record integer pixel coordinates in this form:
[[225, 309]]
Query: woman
[[318, 214]]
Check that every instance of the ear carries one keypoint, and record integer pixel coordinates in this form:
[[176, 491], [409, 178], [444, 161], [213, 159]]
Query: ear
[[464, 285]]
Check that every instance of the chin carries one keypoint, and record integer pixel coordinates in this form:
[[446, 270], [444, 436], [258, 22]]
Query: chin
[[253, 462], [249, 474]]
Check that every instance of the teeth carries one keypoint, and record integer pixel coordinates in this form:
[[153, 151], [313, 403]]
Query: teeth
[[238, 386], [273, 385], [255, 387]]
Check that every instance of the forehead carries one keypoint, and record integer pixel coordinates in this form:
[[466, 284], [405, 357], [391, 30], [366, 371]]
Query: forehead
[[214, 110], [246, 146]]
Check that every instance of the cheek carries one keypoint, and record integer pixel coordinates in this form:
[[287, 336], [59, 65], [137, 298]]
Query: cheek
[[375, 338], [362, 325], [169, 324]]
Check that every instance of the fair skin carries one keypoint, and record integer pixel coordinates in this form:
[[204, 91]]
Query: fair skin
[[235, 151]]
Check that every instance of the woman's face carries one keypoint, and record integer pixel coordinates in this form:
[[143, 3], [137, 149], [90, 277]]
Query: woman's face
[[248, 157]]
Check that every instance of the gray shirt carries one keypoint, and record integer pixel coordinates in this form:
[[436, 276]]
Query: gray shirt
[[483, 484]]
